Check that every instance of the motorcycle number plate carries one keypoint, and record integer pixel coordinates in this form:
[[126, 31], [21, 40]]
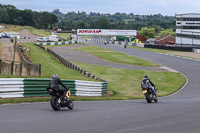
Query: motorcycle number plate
[[145, 91]]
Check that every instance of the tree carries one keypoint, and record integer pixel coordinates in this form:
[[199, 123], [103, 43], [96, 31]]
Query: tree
[[102, 23], [81, 25], [147, 32], [167, 32]]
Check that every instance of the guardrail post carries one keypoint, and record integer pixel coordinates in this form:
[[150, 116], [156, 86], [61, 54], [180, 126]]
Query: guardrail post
[[39, 69]]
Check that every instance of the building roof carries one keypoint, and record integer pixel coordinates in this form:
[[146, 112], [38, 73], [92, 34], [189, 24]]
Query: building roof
[[164, 37]]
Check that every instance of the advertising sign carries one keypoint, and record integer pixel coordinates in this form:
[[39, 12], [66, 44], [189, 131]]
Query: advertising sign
[[140, 45], [106, 32]]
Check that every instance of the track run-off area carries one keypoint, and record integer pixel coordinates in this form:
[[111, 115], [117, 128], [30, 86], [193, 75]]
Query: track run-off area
[[177, 113]]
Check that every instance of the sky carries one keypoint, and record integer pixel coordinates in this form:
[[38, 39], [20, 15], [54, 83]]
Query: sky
[[140, 7]]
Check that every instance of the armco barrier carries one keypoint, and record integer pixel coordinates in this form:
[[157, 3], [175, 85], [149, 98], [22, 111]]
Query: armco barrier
[[56, 43], [19, 87], [112, 42]]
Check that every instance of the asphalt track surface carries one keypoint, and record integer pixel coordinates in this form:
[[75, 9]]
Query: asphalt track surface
[[178, 113]]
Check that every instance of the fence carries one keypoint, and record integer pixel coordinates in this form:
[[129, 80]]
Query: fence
[[28, 69], [69, 64], [19, 87], [179, 48]]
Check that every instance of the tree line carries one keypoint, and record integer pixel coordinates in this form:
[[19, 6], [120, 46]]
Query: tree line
[[9, 14], [156, 23]]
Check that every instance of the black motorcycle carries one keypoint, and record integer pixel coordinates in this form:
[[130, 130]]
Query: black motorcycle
[[58, 100], [150, 94]]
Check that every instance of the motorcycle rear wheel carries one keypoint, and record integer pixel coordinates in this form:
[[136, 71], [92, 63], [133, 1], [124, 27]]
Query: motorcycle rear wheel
[[54, 103], [156, 99]]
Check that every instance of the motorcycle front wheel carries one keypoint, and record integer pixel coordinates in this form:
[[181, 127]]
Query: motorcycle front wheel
[[156, 99], [55, 103], [70, 104]]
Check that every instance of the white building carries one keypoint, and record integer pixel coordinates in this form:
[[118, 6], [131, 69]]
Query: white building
[[188, 29]]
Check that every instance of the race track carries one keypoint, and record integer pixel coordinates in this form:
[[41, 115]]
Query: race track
[[179, 113]]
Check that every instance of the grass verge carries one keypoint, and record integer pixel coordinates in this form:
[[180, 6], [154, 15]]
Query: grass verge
[[117, 57], [126, 83]]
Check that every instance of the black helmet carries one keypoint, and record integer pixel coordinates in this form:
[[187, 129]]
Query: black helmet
[[55, 76], [145, 76]]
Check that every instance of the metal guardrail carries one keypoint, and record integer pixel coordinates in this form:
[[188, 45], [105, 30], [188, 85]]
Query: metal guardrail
[[20, 87], [56, 43]]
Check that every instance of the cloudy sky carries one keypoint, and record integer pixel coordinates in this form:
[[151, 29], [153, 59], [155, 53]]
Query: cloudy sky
[[142, 7]]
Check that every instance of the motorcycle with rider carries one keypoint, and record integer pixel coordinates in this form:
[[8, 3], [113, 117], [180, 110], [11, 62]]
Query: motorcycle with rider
[[149, 90], [60, 96]]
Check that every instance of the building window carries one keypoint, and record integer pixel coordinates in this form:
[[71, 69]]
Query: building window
[[188, 36], [190, 19], [190, 27]]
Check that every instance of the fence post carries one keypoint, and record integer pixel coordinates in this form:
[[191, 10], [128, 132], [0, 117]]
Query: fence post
[[29, 69], [20, 71], [0, 65], [12, 67], [39, 69]]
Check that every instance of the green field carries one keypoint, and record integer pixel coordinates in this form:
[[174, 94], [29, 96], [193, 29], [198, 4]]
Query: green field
[[64, 35], [126, 83], [117, 57]]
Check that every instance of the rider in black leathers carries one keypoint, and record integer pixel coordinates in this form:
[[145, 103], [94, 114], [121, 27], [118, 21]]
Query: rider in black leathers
[[54, 84], [147, 82]]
